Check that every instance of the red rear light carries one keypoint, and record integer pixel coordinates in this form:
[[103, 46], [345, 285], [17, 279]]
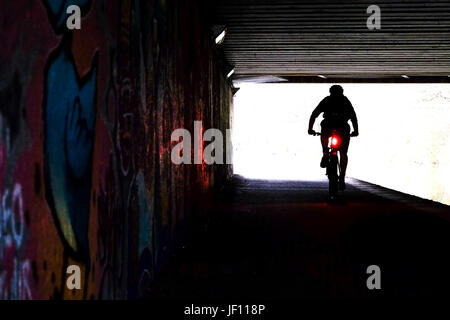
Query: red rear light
[[335, 141]]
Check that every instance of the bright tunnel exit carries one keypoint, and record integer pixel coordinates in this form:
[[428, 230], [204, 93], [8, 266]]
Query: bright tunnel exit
[[403, 143]]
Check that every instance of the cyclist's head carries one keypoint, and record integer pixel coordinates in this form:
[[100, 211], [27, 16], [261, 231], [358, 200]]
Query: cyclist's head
[[336, 90]]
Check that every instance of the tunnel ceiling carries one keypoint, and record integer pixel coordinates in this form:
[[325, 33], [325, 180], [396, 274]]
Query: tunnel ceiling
[[331, 38]]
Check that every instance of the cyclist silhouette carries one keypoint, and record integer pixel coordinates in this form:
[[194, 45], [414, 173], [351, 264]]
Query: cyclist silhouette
[[337, 110]]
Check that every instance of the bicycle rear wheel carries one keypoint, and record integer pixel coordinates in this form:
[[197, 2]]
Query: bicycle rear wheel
[[333, 178]]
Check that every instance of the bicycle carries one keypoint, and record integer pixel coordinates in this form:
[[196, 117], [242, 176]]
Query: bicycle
[[333, 168]]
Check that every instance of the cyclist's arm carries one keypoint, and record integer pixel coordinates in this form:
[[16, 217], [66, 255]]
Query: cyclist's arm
[[318, 110], [353, 118]]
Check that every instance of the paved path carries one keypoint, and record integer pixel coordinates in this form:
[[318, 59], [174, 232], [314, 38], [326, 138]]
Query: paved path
[[283, 240]]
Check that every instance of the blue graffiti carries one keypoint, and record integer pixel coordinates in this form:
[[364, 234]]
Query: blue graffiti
[[69, 123]]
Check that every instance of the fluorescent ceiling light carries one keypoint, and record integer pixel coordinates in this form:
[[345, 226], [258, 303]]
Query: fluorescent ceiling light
[[221, 36], [405, 76], [321, 76], [230, 73]]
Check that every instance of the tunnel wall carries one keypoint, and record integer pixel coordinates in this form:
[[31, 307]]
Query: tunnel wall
[[85, 121]]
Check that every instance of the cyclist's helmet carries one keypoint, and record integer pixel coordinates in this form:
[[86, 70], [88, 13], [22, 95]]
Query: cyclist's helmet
[[336, 90]]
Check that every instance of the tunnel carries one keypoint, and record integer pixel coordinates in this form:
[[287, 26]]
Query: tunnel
[[158, 150]]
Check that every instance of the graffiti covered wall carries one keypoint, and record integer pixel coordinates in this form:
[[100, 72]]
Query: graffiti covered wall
[[86, 118]]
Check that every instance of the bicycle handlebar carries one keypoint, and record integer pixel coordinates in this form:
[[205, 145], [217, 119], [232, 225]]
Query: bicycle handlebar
[[318, 134]]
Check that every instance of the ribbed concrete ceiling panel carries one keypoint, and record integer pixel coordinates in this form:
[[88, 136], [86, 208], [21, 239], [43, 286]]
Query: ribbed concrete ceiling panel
[[331, 38]]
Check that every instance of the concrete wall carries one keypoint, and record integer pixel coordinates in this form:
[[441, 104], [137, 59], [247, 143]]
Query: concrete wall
[[85, 124]]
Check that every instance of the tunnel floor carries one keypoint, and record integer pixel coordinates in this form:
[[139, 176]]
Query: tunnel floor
[[269, 240]]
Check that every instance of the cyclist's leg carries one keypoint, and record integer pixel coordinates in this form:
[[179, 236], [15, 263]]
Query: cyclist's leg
[[324, 141], [324, 135]]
